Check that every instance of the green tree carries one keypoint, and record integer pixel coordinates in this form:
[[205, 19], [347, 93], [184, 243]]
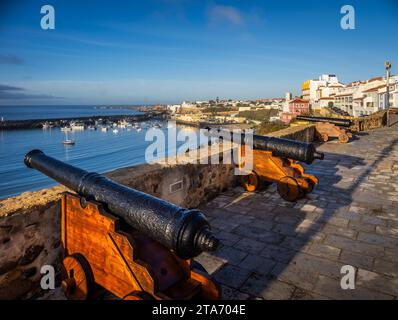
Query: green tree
[[267, 127]]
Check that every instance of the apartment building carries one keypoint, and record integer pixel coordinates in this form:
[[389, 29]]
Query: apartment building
[[319, 91], [362, 98], [358, 98], [295, 107]]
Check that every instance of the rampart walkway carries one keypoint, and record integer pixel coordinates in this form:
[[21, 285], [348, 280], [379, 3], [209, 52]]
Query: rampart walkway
[[273, 249]]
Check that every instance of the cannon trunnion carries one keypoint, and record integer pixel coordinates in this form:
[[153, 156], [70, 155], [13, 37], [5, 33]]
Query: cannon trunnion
[[126, 242]]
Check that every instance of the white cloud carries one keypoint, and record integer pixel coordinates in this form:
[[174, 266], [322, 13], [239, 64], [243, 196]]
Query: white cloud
[[220, 13]]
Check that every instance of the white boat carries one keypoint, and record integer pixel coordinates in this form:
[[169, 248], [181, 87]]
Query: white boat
[[65, 129], [123, 124], [46, 125], [115, 130], [77, 126], [104, 129], [68, 141], [138, 129]]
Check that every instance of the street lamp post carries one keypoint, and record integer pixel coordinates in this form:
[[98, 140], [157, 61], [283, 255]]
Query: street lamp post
[[387, 65]]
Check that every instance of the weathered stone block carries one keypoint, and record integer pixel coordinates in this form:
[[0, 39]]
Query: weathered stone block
[[357, 260], [257, 264], [377, 282], [267, 288], [232, 276], [332, 289]]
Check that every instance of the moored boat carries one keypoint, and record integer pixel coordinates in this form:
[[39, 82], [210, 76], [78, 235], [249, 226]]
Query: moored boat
[[68, 141], [77, 126]]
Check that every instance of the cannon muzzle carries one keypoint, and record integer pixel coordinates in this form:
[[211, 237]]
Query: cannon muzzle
[[186, 232], [336, 121]]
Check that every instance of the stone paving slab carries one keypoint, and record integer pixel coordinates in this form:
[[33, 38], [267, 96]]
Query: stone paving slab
[[273, 249]]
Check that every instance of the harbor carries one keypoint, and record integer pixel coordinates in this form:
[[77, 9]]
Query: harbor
[[101, 149], [89, 121]]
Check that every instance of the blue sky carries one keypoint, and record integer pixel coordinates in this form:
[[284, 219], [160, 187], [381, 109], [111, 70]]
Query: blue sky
[[165, 51]]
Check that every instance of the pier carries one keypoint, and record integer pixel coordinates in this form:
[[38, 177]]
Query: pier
[[89, 120]]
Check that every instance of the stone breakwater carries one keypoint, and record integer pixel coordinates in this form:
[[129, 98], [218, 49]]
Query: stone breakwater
[[89, 120]]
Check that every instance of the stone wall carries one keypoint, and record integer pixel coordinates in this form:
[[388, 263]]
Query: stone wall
[[30, 223], [29, 239], [300, 133], [374, 121], [196, 183]]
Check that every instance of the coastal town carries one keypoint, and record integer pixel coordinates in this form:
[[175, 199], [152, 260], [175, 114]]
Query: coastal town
[[200, 156], [324, 96]]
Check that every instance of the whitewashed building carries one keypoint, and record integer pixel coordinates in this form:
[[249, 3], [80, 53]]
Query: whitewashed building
[[362, 98], [318, 91]]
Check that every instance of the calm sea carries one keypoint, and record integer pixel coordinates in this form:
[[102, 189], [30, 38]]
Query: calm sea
[[94, 151]]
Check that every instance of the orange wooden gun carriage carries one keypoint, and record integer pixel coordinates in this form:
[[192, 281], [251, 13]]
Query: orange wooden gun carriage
[[99, 250], [292, 181], [330, 128], [119, 240], [275, 160]]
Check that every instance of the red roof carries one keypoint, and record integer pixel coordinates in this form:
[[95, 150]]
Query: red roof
[[375, 78], [375, 88], [298, 100]]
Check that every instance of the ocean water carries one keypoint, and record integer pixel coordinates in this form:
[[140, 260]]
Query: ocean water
[[56, 112], [94, 151]]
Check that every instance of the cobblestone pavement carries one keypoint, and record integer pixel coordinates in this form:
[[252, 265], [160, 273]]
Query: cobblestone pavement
[[273, 249]]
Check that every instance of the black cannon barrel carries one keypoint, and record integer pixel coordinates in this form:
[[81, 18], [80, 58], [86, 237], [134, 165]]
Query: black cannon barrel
[[286, 148], [337, 121], [186, 232], [280, 147]]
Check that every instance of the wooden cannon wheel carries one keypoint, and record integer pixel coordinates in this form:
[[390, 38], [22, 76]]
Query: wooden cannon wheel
[[306, 184], [76, 277], [343, 137], [138, 295], [289, 188], [250, 182], [324, 137]]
